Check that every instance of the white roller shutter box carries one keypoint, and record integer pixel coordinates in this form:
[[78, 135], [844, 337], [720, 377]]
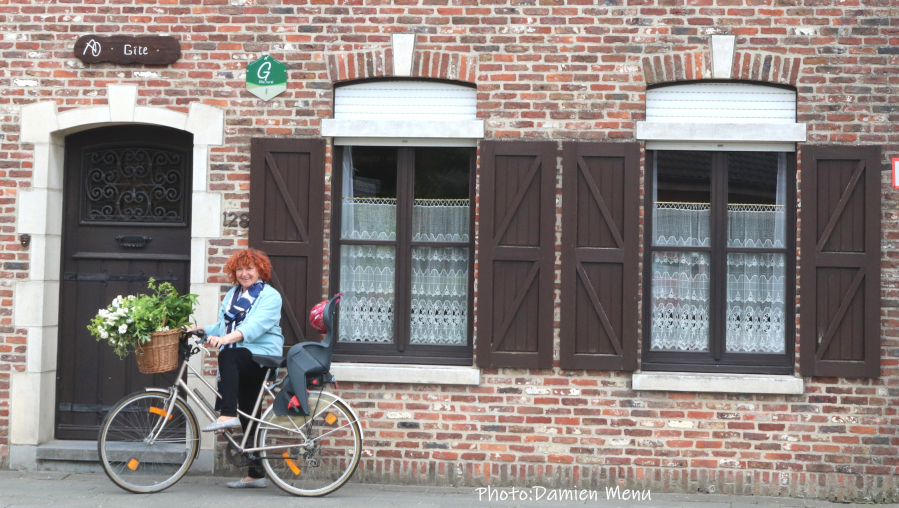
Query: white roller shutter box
[[721, 103], [404, 109], [721, 116], [405, 100]]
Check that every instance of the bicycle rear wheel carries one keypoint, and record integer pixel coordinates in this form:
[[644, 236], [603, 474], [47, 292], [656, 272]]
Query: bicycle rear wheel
[[318, 454], [129, 454]]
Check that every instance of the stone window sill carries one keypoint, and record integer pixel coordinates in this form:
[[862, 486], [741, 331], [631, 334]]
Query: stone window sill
[[407, 374], [717, 383]]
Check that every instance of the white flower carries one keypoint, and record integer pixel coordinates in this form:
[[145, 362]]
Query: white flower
[[103, 334], [123, 328]]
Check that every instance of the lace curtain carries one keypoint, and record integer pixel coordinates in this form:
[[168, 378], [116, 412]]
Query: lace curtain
[[369, 218], [367, 275], [440, 296], [440, 220], [439, 306], [681, 224], [433, 220], [440, 275], [756, 299], [758, 226], [755, 282], [680, 301]]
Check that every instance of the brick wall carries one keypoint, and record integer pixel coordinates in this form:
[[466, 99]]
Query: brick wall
[[559, 70]]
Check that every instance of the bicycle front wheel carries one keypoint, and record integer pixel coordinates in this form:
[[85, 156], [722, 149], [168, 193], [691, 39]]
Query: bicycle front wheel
[[142, 447], [311, 455]]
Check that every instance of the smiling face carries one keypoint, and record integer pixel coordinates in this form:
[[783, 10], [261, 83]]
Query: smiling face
[[247, 276]]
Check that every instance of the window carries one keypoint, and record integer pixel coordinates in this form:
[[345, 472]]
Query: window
[[403, 254], [720, 262]]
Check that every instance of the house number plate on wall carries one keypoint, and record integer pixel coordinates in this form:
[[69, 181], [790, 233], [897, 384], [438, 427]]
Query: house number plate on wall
[[233, 220], [127, 49]]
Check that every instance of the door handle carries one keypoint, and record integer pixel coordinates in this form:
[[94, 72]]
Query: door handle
[[133, 241]]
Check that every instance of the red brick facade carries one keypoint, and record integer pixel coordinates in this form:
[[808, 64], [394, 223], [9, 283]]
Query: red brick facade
[[554, 71]]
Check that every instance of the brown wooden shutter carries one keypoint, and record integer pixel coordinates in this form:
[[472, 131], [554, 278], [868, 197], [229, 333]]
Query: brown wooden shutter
[[287, 185], [600, 229], [840, 258], [516, 254]]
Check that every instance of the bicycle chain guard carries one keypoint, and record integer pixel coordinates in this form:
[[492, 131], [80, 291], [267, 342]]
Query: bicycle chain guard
[[238, 459]]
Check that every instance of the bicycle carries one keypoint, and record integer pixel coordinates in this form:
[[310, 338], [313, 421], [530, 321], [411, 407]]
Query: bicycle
[[149, 439]]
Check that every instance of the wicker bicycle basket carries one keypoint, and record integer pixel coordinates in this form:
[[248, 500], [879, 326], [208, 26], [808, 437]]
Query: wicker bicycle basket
[[160, 354]]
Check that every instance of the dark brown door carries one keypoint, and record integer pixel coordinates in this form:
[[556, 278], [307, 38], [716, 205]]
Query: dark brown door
[[126, 219]]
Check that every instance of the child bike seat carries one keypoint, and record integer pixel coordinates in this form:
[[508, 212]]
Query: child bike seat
[[305, 361]]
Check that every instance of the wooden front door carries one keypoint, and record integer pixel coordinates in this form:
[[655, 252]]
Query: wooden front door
[[127, 218]]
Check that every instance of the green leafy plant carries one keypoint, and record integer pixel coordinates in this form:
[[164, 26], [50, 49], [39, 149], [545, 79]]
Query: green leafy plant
[[129, 321], [176, 309]]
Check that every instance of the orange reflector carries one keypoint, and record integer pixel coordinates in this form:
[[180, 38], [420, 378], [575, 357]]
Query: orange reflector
[[330, 418], [293, 467], [160, 412], [132, 464]]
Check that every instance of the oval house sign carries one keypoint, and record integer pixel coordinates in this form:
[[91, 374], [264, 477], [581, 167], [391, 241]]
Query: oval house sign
[[127, 49]]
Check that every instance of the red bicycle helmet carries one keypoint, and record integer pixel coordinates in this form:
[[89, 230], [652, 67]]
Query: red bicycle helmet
[[316, 316]]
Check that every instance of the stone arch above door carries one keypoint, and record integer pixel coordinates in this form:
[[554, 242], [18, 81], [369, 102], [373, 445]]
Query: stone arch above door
[[39, 214]]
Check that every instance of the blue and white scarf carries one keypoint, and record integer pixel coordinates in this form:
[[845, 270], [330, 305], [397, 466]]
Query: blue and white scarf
[[240, 305]]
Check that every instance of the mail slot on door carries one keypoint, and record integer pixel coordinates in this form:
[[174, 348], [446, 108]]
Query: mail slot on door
[[133, 241]]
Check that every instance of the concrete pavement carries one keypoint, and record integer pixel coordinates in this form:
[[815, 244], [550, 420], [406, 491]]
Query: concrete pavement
[[56, 489]]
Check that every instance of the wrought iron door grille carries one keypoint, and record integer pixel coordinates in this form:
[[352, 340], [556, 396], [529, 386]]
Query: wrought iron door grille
[[133, 185]]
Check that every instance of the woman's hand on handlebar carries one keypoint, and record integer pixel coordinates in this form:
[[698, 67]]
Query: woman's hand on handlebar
[[235, 336]]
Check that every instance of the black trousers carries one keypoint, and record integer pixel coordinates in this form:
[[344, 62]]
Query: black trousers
[[241, 379]]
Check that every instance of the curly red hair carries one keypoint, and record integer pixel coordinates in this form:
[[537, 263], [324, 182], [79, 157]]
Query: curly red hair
[[249, 257]]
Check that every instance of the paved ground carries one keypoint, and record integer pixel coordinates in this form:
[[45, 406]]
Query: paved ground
[[52, 489]]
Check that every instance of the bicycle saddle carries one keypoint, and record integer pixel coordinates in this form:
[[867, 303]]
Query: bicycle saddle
[[303, 361], [272, 362]]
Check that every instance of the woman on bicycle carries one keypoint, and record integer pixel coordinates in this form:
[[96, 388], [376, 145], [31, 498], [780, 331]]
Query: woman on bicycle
[[247, 325]]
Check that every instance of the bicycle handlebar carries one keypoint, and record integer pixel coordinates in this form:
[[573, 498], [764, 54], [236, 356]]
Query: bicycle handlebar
[[199, 334]]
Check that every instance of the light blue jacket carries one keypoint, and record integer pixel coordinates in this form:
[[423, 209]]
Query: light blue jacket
[[261, 331]]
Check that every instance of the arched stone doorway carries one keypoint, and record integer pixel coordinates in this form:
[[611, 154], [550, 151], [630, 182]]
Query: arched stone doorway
[[33, 397]]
